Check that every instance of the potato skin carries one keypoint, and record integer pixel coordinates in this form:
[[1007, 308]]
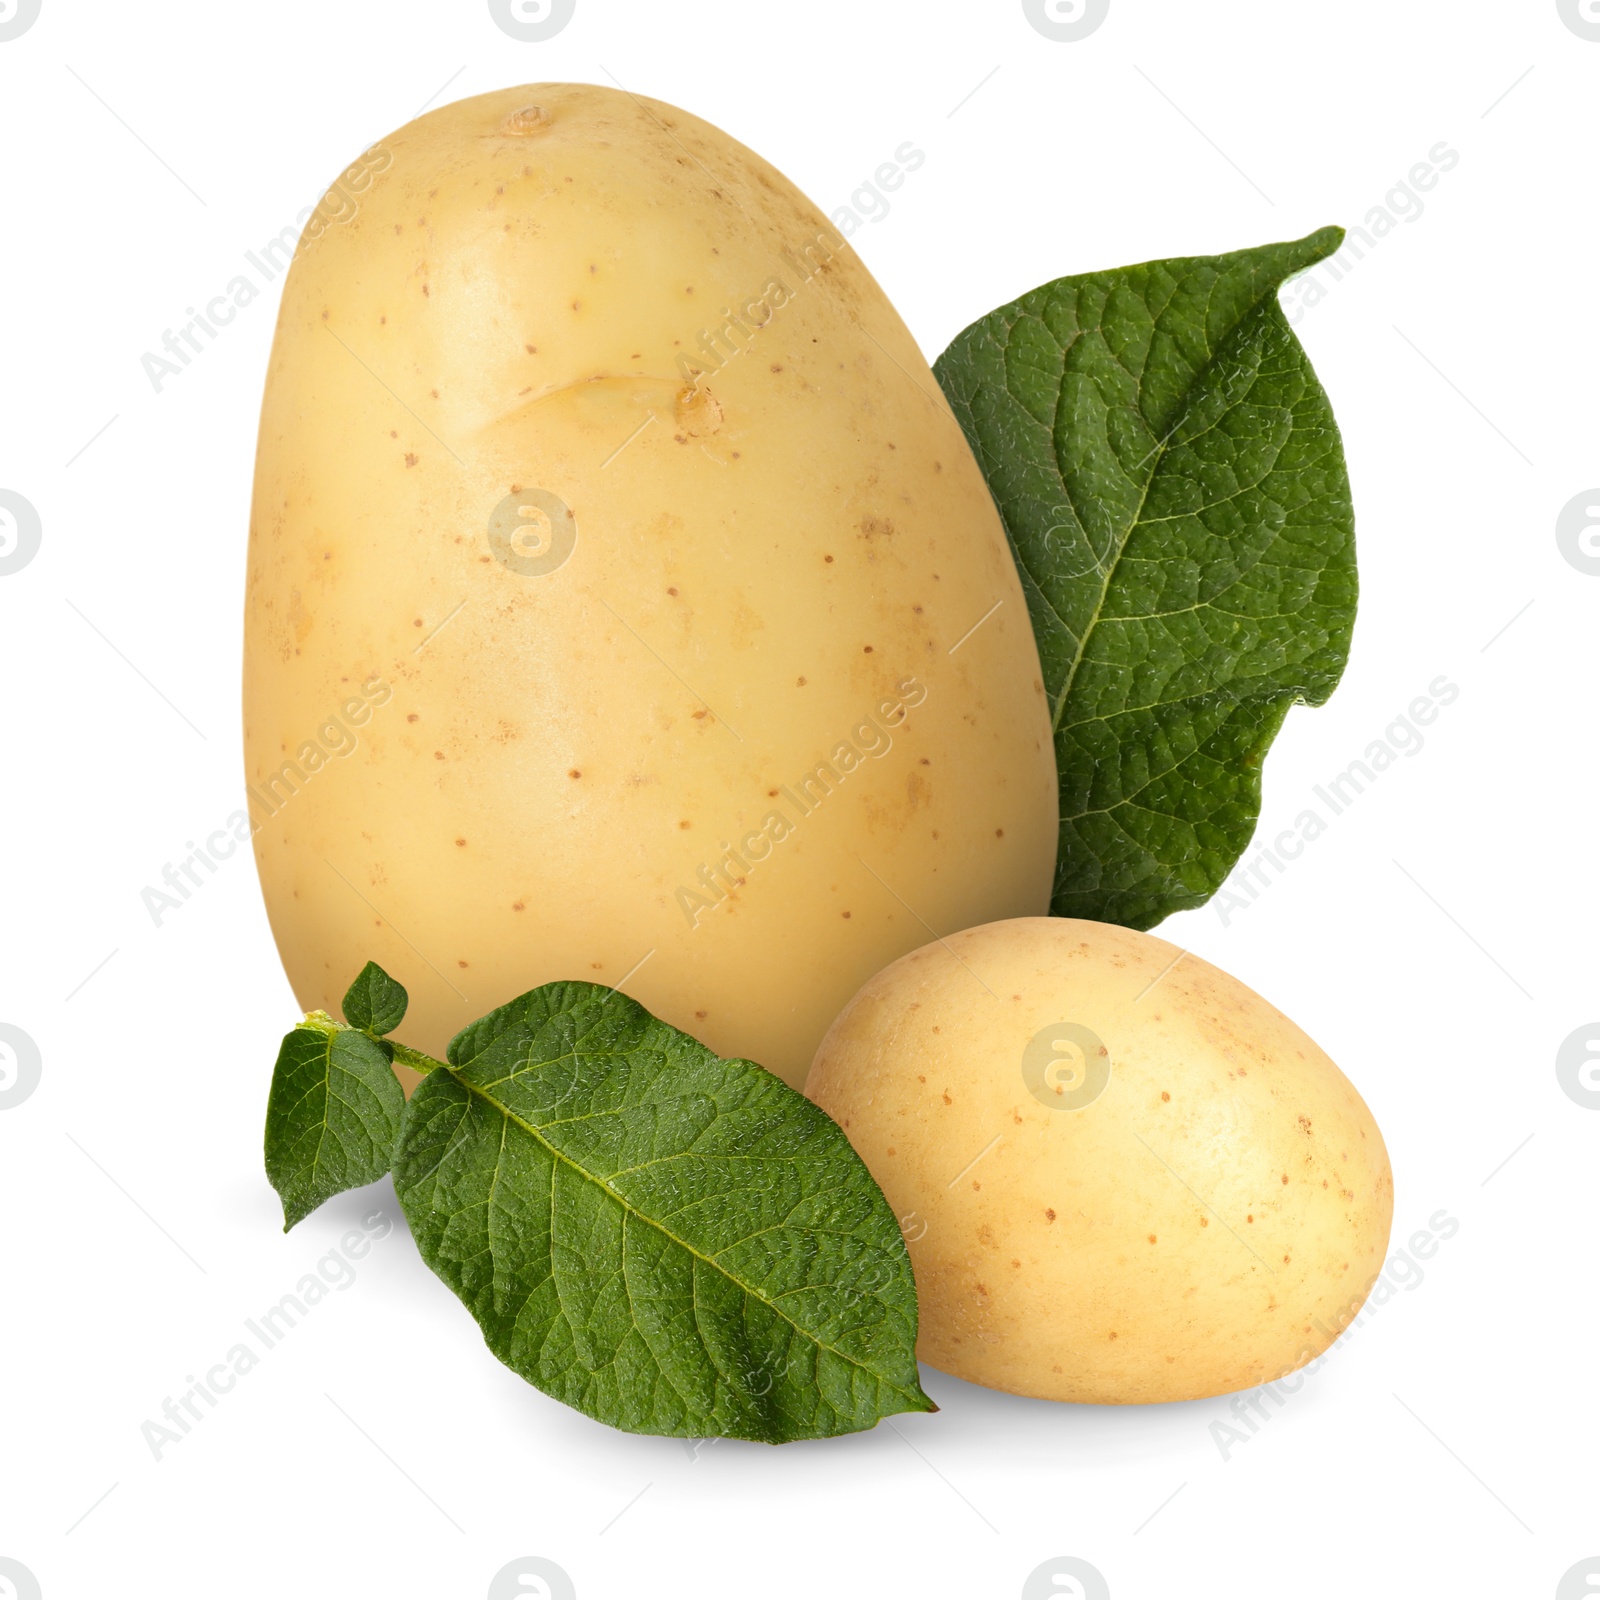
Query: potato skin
[[1208, 1221], [492, 303]]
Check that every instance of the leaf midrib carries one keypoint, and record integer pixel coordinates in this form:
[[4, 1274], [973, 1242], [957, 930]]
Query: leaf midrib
[[1156, 457], [608, 1192], [1116, 561], [323, 1128]]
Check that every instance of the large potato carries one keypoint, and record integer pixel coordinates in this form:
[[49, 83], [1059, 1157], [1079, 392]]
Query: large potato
[[724, 734], [1123, 1175]]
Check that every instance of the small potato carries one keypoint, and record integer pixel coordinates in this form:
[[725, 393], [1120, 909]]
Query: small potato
[[1122, 1175]]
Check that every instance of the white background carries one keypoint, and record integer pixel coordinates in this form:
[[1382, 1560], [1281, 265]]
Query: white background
[[1434, 939]]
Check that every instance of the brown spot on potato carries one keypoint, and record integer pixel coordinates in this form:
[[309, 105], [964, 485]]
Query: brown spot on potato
[[697, 412], [411, 716], [519, 906], [573, 772], [411, 459], [1049, 1215], [1165, 1095], [685, 823], [461, 841]]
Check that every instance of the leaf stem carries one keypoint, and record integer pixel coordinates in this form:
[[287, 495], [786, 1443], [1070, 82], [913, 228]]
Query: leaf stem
[[415, 1059], [403, 1053]]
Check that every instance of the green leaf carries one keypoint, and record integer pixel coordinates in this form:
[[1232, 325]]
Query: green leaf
[[1173, 486], [333, 1114], [375, 1003], [668, 1241]]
